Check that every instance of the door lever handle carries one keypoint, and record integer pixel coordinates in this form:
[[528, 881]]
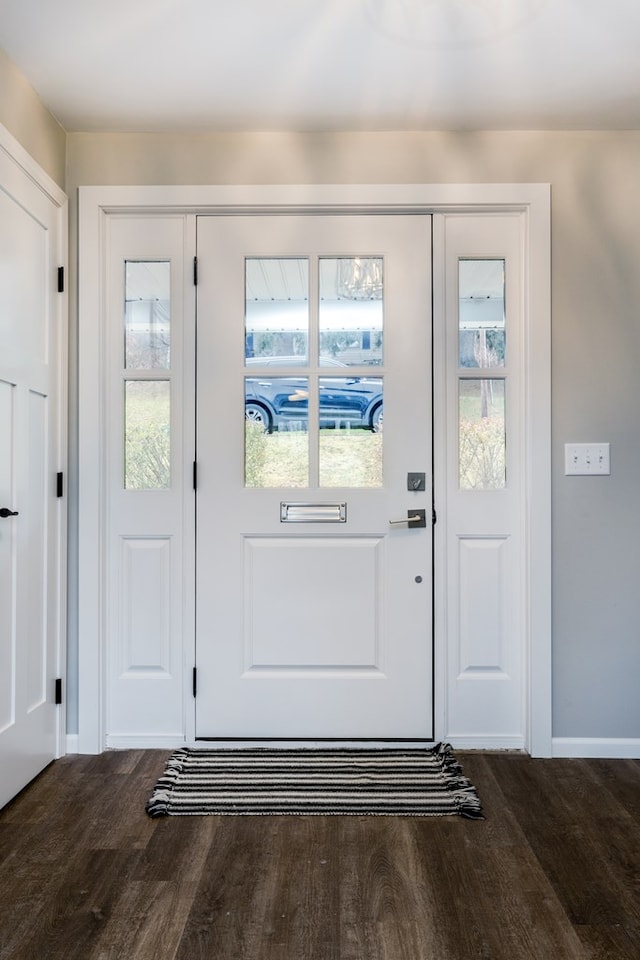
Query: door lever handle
[[415, 518], [5, 512]]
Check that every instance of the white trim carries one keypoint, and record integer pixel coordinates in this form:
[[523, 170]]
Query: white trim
[[91, 496], [62, 452], [153, 742], [145, 742], [596, 747], [97, 201], [72, 743], [349, 197], [440, 611], [487, 742], [14, 149], [538, 477]]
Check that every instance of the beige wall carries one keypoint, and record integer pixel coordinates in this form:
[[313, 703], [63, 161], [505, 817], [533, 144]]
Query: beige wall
[[596, 344], [27, 119]]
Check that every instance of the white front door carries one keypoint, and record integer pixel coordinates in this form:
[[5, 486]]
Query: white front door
[[314, 590], [31, 572]]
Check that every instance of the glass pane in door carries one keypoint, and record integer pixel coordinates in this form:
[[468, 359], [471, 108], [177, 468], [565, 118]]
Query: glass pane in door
[[276, 431], [276, 310], [147, 315], [147, 434], [350, 402], [351, 310], [481, 312], [481, 433]]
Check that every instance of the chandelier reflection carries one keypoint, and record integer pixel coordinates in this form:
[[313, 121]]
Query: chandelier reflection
[[360, 278]]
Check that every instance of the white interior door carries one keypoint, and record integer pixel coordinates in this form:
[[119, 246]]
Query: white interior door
[[314, 592], [31, 569]]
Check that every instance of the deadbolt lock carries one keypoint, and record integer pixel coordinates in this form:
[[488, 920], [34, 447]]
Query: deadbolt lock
[[416, 481]]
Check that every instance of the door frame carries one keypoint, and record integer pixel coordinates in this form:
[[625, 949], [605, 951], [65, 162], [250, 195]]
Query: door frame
[[23, 171], [97, 203]]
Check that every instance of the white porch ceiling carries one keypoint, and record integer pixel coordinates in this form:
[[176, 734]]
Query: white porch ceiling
[[189, 65]]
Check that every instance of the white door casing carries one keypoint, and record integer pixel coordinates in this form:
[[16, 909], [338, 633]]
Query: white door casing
[[320, 629], [531, 204], [32, 453]]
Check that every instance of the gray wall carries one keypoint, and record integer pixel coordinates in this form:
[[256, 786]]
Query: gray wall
[[28, 120], [596, 344], [596, 338]]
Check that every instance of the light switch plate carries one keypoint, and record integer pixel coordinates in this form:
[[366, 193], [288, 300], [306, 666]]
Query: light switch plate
[[586, 459]]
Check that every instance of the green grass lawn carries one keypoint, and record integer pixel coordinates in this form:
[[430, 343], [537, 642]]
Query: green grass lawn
[[348, 458]]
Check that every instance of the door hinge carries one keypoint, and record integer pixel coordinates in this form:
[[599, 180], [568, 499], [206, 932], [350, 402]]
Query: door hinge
[[58, 697], [59, 485], [195, 474], [195, 682], [60, 279], [195, 271], [434, 518]]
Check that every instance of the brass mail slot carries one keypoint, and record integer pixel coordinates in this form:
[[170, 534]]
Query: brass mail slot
[[313, 512]]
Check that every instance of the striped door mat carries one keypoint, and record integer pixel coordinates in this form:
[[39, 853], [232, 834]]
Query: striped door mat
[[267, 782]]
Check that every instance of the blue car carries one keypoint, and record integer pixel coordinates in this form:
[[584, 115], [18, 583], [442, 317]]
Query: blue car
[[273, 402]]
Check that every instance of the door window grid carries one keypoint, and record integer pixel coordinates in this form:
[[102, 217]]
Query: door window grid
[[309, 419]]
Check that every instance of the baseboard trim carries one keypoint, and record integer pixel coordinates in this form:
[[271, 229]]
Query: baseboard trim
[[485, 742], [145, 742], [171, 743], [596, 748], [561, 747]]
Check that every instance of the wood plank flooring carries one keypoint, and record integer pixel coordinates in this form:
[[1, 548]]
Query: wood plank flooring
[[552, 872]]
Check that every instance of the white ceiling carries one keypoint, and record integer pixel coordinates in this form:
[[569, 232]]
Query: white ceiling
[[330, 64]]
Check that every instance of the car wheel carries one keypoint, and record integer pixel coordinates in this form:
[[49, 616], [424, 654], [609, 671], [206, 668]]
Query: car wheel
[[257, 415], [376, 419]]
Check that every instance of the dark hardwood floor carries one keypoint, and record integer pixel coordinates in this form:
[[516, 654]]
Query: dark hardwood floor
[[552, 872]]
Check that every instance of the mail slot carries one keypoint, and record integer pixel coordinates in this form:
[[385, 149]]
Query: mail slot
[[313, 512]]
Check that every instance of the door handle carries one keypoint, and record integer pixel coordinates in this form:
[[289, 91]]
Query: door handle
[[5, 512], [414, 518]]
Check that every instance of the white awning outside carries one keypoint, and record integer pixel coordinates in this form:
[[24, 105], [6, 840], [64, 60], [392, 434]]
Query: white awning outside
[[291, 316]]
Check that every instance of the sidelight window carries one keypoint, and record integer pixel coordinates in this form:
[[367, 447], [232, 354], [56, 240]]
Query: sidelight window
[[147, 396], [482, 377]]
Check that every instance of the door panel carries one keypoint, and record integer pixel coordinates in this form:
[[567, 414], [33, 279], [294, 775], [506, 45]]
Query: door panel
[[30, 548], [309, 631], [480, 364], [150, 445], [314, 609]]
